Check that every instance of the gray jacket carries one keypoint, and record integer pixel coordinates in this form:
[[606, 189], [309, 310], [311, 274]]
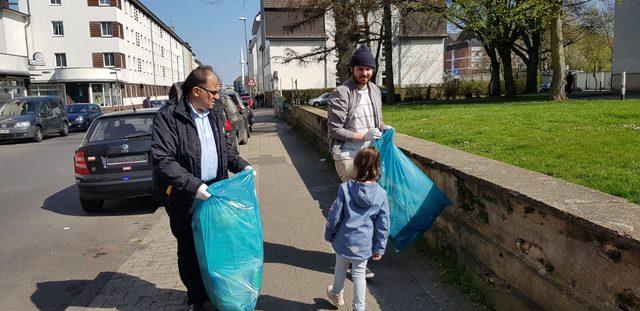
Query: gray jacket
[[342, 104]]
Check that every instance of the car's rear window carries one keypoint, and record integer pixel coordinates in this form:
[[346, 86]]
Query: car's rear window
[[77, 108], [121, 127]]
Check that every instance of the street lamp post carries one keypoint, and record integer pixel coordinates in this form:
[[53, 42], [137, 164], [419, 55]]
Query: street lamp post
[[246, 46]]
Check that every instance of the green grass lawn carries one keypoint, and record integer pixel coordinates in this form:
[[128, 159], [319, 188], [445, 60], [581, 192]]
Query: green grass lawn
[[595, 143]]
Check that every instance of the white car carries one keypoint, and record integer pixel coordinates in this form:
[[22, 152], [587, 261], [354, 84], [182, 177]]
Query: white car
[[320, 100]]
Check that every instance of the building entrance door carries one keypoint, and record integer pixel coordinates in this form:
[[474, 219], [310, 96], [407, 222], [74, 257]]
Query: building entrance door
[[78, 92]]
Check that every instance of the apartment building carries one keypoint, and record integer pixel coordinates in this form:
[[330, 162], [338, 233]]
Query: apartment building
[[109, 52], [417, 54], [464, 54], [14, 63]]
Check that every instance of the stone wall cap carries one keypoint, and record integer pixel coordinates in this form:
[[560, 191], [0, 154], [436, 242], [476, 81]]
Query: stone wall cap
[[604, 213]]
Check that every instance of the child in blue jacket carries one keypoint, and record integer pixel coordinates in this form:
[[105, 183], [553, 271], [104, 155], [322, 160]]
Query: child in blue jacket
[[358, 227]]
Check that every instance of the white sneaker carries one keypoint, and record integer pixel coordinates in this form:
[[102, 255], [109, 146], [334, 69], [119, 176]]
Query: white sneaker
[[336, 300], [367, 274]]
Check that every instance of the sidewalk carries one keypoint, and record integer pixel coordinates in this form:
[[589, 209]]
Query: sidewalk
[[295, 189]]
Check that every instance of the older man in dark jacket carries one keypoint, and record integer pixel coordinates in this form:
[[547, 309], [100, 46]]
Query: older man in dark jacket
[[190, 151]]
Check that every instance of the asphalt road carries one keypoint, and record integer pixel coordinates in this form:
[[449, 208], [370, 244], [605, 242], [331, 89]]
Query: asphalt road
[[50, 249]]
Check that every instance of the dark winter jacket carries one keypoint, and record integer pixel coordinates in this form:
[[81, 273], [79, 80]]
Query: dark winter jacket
[[176, 154]]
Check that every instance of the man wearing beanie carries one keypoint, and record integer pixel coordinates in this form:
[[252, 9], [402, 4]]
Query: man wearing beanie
[[355, 116]]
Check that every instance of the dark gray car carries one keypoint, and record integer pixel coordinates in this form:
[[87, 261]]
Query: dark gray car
[[33, 118]]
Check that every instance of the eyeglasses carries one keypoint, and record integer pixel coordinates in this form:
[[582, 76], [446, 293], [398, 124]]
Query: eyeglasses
[[214, 93]]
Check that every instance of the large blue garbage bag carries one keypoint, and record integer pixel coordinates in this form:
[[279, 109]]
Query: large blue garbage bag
[[227, 232], [414, 201]]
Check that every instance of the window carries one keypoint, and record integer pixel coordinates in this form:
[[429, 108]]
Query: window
[[162, 51], [55, 2], [137, 39], [106, 29], [163, 72], [139, 65], [109, 60], [58, 28], [135, 14], [61, 60], [105, 2]]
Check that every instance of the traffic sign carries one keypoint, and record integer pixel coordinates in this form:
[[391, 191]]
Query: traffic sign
[[456, 73]]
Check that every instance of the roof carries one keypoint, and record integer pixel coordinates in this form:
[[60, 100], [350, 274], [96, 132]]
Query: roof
[[416, 24], [36, 98], [284, 3], [294, 24], [130, 112]]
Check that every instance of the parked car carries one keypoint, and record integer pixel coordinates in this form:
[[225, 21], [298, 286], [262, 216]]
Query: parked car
[[81, 115], [320, 100], [158, 103], [248, 99], [235, 123], [114, 159], [244, 109], [33, 118]]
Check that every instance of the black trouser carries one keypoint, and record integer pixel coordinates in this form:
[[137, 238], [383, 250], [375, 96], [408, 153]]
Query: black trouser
[[180, 220]]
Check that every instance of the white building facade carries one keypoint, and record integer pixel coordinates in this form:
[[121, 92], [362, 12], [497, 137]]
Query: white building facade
[[14, 62], [109, 52], [417, 60], [626, 45]]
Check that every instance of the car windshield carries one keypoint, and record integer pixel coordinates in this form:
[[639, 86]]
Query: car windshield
[[121, 127], [77, 108], [18, 108], [157, 103]]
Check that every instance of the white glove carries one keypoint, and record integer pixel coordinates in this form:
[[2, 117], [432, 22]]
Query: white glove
[[387, 127], [202, 193], [248, 167], [372, 134]]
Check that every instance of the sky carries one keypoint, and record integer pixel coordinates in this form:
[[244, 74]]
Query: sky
[[212, 29]]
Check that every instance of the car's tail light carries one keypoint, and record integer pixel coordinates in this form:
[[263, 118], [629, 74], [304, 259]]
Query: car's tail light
[[80, 163], [227, 125]]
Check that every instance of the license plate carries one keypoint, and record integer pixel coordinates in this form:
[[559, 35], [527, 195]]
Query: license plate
[[126, 159], [4, 131]]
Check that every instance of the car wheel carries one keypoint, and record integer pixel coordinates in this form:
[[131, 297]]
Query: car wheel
[[65, 129], [316, 104], [37, 137], [91, 206]]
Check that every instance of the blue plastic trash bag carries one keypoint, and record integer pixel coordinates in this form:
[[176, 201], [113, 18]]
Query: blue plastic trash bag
[[227, 232], [414, 201]]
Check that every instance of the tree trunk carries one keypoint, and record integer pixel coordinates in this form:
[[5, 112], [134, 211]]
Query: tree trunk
[[533, 62], [557, 59], [346, 36], [388, 51], [504, 51], [494, 84]]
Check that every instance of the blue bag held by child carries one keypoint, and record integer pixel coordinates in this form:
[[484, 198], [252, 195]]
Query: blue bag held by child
[[414, 201], [227, 232]]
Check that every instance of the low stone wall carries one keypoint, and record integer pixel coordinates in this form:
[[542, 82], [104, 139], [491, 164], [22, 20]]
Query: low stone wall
[[530, 241]]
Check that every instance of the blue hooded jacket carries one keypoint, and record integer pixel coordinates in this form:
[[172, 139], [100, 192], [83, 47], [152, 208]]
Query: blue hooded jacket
[[358, 223]]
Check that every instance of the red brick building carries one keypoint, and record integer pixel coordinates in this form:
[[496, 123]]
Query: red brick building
[[465, 54]]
